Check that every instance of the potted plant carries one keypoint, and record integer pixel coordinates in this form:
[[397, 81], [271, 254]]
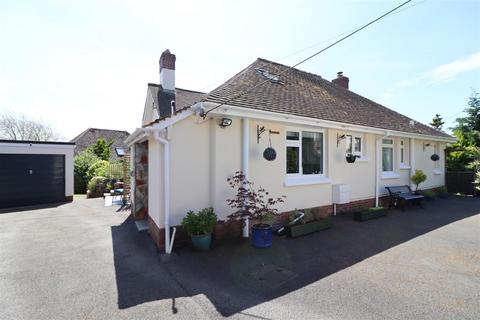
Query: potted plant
[[200, 226], [370, 213], [418, 178], [256, 205], [309, 223]]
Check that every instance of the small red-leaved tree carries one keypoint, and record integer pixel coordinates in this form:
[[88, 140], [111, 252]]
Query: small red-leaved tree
[[251, 203]]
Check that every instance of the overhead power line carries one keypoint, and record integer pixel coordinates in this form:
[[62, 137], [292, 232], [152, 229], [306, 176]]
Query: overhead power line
[[309, 57]]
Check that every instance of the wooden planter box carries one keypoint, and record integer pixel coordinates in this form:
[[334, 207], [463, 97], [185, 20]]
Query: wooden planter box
[[307, 228], [369, 214]]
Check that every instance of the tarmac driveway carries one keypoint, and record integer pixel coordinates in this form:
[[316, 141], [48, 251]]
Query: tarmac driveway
[[84, 261]]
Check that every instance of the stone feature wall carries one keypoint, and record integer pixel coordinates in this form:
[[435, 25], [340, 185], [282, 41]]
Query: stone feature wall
[[126, 175], [140, 207]]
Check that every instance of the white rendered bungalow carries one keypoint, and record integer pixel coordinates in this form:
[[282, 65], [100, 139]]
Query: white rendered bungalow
[[190, 142]]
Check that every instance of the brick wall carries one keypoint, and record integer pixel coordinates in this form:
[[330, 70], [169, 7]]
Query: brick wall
[[233, 229]]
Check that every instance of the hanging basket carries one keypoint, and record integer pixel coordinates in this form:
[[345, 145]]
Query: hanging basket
[[435, 157], [270, 154], [351, 158]]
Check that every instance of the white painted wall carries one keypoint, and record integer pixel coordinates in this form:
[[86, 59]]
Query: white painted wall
[[204, 155], [41, 148], [189, 167]]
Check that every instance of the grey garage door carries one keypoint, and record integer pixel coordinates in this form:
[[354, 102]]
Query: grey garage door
[[28, 179]]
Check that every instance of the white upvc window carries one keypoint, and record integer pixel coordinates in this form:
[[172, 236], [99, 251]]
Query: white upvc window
[[387, 156], [354, 144], [305, 156]]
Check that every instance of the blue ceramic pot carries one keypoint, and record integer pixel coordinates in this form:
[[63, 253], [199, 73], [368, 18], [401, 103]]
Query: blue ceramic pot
[[202, 242], [262, 235]]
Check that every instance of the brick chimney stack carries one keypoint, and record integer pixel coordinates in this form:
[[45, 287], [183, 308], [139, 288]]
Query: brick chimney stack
[[341, 80], [167, 71]]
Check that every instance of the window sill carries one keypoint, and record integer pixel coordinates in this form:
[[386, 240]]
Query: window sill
[[363, 159], [389, 175], [305, 180], [437, 172]]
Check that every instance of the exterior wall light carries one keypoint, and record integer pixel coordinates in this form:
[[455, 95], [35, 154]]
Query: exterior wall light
[[225, 122]]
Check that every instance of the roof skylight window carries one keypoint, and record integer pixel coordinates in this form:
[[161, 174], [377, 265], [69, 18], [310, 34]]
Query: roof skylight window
[[270, 76]]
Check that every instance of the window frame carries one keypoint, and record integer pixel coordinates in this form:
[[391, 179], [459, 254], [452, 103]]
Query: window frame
[[391, 146], [352, 136], [298, 143]]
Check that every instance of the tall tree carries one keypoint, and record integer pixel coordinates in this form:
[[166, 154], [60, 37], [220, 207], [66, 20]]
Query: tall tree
[[102, 149], [462, 154], [19, 127], [437, 122]]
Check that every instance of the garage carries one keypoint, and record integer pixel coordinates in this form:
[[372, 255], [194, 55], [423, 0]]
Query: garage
[[34, 173]]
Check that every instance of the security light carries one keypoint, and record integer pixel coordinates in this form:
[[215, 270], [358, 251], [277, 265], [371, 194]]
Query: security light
[[225, 122]]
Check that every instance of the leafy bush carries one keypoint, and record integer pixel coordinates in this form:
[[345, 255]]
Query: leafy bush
[[102, 149], [98, 168], [82, 163], [418, 178], [92, 184], [200, 223], [308, 216], [251, 203]]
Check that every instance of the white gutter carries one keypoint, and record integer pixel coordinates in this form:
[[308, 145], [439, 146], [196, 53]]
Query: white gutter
[[139, 134], [377, 166], [235, 111], [245, 155]]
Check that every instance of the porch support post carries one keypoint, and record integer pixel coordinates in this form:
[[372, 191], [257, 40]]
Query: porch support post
[[245, 156]]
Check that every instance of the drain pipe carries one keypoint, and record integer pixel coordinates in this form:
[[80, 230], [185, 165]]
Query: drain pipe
[[377, 166], [166, 187], [245, 155]]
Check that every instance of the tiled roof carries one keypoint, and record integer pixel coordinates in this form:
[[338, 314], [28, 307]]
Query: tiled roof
[[309, 95], [183, 98], [91, 135]]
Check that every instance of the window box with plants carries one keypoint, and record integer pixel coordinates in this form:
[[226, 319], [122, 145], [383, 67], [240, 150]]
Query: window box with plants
[[307, 224], [370, 213], [199, 225], [254, 205]]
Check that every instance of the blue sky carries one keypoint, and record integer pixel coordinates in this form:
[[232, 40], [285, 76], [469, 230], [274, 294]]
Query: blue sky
[[79, 64]]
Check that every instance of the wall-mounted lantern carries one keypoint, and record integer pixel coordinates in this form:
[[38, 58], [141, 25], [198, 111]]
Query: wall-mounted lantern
[[225, 122]]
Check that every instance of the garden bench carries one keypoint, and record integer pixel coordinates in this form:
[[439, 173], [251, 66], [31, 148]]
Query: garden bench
[[403, 194]]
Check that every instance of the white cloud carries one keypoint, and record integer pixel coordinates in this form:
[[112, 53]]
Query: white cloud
[[450, 70], [441, 73]]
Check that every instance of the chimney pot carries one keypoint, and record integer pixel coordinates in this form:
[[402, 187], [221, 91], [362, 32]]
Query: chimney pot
[[341, 80]]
